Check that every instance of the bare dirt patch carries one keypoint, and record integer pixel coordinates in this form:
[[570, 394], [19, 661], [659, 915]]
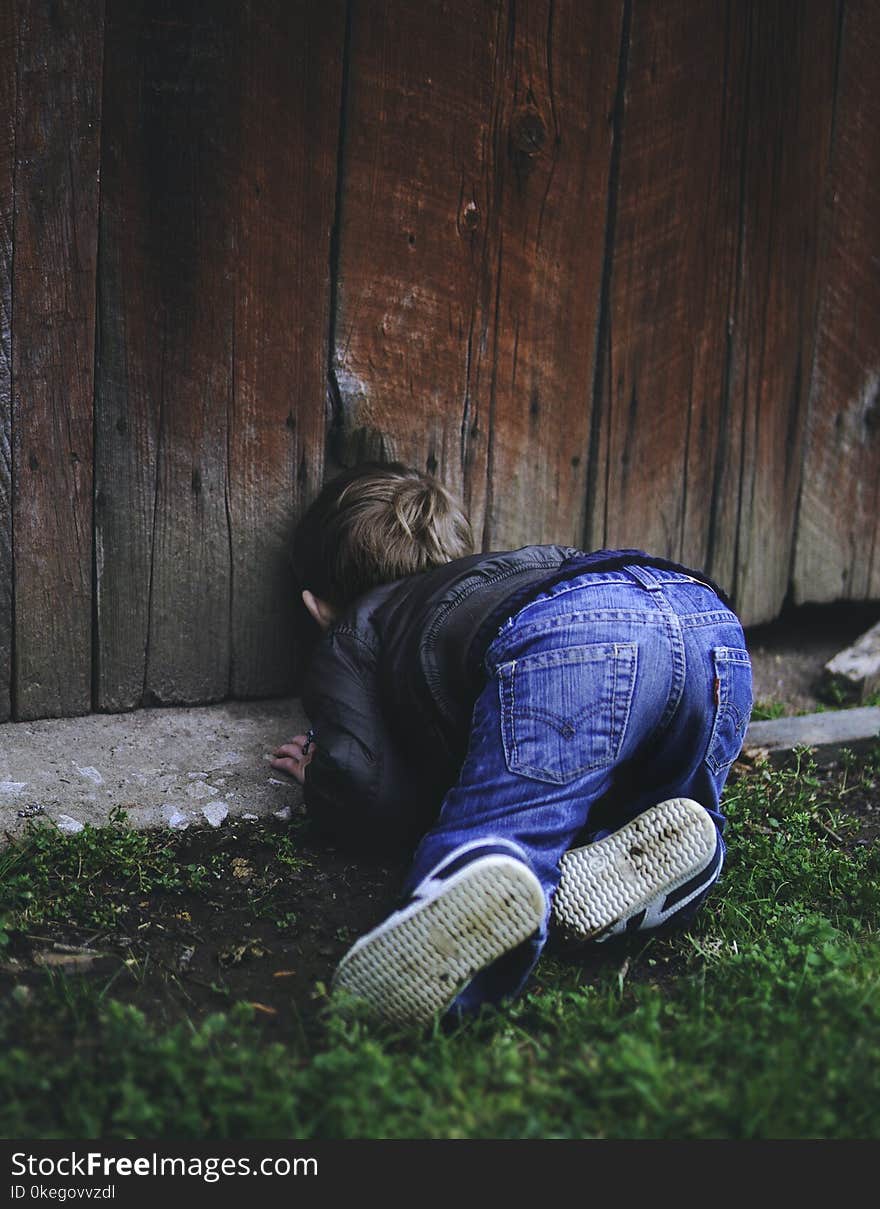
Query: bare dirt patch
[[789, 654], [260, 931]]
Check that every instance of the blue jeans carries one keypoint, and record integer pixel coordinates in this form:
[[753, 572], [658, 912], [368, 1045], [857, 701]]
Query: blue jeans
[[607, 694]]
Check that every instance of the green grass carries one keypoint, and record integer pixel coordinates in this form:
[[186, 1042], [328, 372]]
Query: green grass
[[766, 711], [86, 878], [763, 1022]]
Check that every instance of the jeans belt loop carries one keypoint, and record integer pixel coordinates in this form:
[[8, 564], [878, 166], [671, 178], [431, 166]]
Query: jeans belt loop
[[646, 577]]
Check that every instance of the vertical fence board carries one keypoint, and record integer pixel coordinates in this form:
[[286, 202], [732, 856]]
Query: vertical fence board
[[411, 232], [129, 373], [477, 137], [166, 354], [195, 107], [713, 288], [790, 81], [544, 187], [56, 225], [838, 540], [290, 97], [8, 46], [673, 269]]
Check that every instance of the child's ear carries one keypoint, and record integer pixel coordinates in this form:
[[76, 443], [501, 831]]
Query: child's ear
[[322, 612]]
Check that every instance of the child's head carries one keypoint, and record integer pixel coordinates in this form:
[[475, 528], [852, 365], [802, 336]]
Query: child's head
[[374, 524]]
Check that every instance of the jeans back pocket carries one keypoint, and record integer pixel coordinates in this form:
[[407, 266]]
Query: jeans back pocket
[[564, 712], [733, 706]]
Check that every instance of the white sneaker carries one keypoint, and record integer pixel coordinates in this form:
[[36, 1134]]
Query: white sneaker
[[640, 876], [476, 906]]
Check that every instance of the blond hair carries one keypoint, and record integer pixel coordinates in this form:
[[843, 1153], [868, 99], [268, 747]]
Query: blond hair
[[374, 524]]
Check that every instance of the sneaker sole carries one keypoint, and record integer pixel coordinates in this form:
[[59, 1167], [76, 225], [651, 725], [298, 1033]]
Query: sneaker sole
[[607, 882], [415, 963]]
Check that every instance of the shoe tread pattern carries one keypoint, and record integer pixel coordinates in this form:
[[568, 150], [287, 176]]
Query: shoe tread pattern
[[409, 970], [609, 881]]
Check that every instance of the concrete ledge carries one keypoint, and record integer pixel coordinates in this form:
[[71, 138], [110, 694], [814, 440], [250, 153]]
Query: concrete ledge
[[164, 767], [196, 767], [828, 733]]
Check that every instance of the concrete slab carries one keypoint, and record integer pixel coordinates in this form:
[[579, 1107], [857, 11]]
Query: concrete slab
[[828, 733], [165, 767], [182, 768]]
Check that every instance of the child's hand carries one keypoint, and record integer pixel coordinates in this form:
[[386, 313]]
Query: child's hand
[[294, 757]]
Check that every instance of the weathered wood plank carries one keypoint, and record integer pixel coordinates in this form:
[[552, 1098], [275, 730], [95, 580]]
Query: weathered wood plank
[[53, 294], [673, 264], [713, 288], [791, 51], [165, 377], [8, 47], [838, 540], [292, 59], [477, 142], [191, 131], [129, 369], [411, 232], [544, 186]]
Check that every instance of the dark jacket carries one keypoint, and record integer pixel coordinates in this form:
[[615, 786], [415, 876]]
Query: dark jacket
[[391, 687]]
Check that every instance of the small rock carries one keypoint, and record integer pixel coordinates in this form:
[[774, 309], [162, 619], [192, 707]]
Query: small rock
[[30, 812], [198, 789], [215, 812], [175, 818], [12, 787], [66, 823], [854, 673], [284, 813], [91, 774]]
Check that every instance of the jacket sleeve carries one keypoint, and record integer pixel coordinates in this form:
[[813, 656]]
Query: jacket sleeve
[[359, 787]]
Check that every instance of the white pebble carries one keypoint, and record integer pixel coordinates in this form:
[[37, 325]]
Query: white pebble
[[198, 789], [66, 823], [91, 773], [175, 818], [215, 812]]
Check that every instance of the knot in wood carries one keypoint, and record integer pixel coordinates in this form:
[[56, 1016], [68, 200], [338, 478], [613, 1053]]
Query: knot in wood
[[527, 132], [471, 216]]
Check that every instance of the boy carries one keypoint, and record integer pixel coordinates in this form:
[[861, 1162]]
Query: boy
[[549, 730]]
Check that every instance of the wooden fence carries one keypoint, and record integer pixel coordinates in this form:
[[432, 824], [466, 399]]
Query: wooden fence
[[610, 267]]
